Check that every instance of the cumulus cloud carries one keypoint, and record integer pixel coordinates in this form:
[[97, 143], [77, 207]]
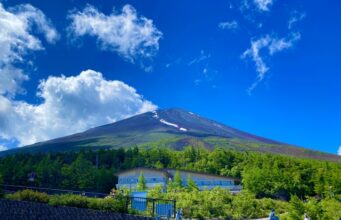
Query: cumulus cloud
[[269, 46], [70, 104], [230, 25], [131, 36], [339, 151], [17, 25], [263, 5]]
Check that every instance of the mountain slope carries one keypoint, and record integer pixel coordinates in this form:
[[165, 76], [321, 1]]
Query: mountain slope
[[173, 128]]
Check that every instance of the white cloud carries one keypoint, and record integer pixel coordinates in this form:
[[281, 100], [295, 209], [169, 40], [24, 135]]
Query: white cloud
[[231, 25], [11, 79], [17, 25], [3, 148], [131, 36], [70, 105], [339, 151], [263, 5], [269, 46]]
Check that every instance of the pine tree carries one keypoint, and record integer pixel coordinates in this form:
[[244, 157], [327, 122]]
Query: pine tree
[[191, 186], [177, 180], [141, 185], [296, 208]]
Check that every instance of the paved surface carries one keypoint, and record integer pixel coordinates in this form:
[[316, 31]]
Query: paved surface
[[20, 210]]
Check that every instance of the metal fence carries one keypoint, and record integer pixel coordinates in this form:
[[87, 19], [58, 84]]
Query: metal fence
[[152, 206]]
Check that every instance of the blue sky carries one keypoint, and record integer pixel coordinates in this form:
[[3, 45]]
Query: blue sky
[[268, 67]]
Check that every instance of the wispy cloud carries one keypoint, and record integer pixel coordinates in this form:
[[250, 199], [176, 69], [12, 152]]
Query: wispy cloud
[[295, 17], [266, 46], [131, 36], [203, 56], [339, 151], [230, 25]]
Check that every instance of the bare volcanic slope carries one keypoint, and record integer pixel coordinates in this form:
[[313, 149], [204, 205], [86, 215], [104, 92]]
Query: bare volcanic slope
[[174, 128]]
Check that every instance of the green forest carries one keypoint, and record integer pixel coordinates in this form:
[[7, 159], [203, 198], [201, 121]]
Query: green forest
[[291, 185]]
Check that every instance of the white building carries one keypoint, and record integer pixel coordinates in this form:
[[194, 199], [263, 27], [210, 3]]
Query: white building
[[129, 179]]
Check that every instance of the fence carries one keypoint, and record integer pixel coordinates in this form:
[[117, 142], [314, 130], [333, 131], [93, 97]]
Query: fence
[[148, 206], [153, 206]]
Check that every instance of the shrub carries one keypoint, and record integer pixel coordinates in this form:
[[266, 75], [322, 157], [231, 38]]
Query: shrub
[[29, 195], [108, 204], [69, 200], [331, 209]]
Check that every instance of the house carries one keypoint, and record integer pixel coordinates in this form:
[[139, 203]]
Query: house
[[153, 177]]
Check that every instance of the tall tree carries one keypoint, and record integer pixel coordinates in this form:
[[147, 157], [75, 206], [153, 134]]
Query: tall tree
[[141, 185], [191, 186], [177, 180]]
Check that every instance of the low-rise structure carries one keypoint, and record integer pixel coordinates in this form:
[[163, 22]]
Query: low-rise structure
[[129, 179]]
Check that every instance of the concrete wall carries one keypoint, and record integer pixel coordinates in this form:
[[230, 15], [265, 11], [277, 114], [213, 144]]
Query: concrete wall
[[22, 210]]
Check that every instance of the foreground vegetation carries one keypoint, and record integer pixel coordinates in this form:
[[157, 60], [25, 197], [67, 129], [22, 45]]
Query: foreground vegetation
[[290, 185], [117, 204]]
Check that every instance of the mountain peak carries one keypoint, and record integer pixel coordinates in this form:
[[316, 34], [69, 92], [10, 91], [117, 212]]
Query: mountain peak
[[174, 128]]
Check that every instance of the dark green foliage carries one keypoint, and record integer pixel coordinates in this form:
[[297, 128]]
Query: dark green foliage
[[29, 195], [1, 182], [265, 175]]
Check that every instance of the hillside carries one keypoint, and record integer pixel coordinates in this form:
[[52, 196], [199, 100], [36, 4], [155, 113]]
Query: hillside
[[173, 128]]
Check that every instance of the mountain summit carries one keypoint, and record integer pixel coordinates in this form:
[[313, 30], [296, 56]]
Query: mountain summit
[[174, 128]]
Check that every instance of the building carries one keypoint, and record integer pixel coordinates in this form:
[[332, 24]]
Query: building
[[129, 179]]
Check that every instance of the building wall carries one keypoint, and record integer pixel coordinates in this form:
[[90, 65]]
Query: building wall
[[204, 181], [153, 178], [130, 179]]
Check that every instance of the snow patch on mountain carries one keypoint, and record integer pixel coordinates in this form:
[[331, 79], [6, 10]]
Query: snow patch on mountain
[[155, 115], [168, 123], [172, 124]]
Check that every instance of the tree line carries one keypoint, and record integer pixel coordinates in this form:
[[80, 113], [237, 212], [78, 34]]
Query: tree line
[[265, 175]]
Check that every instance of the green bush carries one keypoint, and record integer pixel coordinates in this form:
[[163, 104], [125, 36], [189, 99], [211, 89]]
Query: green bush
[[331, 209], [108, 204], [29, 195], [69, 200]]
